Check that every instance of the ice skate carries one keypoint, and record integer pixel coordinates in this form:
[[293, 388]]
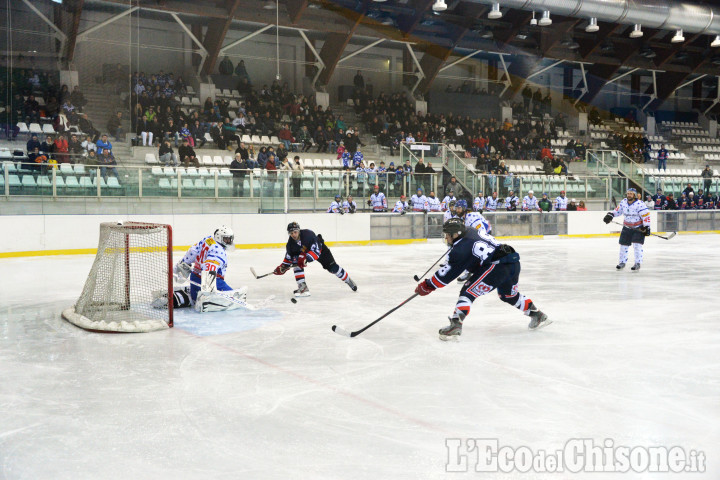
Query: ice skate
[[635, 267], [463, 278], [620, 266], [454, 330], [538, 320], [302, 291], [351, 284]]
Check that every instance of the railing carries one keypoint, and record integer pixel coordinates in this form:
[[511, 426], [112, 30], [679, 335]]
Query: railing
[[273, 189], [620, 163]]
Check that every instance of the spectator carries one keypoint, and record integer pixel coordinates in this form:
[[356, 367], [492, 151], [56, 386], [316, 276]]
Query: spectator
[[114, 126], [286, 137], [407, 171], [320, 139], [92, 159], [75, 148], [545, 204], [226, 66], [166, 154], [88, 145], [87, 127], [670, 203], [689, 189], [61, 149], [239, 168], [453, 186], [297, 172], [572, 206], [305, 138], [187, 155], [581, 207], [262, 157], [649, 202], [145, 131], [33, 143], [103, 144], [271, 168], [707, 176], [47, 147], [198, 133], [241, 72], [77, 98], [216, 133], [358, 82], [107, 162], [662, 157], [422, 180]]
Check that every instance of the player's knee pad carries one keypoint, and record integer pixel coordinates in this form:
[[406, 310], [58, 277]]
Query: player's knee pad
[[332, 268]]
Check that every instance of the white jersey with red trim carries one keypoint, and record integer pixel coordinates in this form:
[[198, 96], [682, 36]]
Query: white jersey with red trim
[[419, 204], [491, 204], [335, 207], [378, 202], [434, 204], [561, 203], [400, 207], [446, 202], [636, 213], [207, 255], [530, 203]]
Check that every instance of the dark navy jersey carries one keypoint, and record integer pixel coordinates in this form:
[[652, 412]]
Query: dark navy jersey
[[307, 243], [659, 199], [473, 252]]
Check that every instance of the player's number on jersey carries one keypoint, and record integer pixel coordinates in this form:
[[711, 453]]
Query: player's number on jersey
[[480, 250]]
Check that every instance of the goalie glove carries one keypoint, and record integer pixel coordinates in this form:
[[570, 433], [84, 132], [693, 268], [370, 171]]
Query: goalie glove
[[608, 217], [182, 271]]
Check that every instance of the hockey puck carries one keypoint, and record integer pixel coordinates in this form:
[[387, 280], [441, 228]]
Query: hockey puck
[[293, 300]]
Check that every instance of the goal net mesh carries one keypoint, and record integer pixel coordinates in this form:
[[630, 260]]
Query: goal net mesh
[[133, 266]]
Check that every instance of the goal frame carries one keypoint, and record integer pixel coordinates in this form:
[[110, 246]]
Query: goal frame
[[127, 327]]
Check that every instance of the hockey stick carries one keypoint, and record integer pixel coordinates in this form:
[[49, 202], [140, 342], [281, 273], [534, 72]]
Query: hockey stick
[[653, 234], [259, 276], [417, 279], [342, 331]]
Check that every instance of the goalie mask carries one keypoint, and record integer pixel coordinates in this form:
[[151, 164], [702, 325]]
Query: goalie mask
[[224, 236]]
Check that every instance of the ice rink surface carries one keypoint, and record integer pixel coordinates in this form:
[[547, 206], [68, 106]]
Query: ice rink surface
[[632, 357]]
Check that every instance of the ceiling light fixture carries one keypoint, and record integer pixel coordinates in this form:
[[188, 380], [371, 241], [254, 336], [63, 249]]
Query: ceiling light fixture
[[533, 20], [716, 43], [495, 12], [545, 21], [678, 38], [592, 26], [440, 6], [636, 31]]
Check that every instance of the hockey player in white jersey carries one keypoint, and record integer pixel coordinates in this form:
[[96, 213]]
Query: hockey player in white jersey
[[336, 206], [433, 203], [530, 203], [479, 203], [419, 202], [349, 205], [561, 202], [401, 206], [511, 201], [377, 201], [450, 212], [450, 197], [206, 264], [636, 227], [492, 202]]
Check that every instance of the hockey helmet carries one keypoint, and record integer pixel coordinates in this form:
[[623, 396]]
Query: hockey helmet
[[454, 225], [402, 197], [530, 192], [629, 190], [224, 236], [452, 204], [461, 204], [420, 190], [293, 227], [562, 192], [338, 197]]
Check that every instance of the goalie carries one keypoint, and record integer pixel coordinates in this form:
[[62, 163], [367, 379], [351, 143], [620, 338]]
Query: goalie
[[205, 264]]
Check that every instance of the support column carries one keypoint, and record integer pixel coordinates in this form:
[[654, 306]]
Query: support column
[[215, 36]]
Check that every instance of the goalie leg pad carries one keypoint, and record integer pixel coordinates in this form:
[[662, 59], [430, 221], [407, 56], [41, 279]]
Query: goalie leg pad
[[221, 302]]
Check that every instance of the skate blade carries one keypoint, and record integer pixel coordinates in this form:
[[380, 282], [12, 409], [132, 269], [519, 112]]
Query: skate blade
[[449, 338], [543, 324], [306, 294]]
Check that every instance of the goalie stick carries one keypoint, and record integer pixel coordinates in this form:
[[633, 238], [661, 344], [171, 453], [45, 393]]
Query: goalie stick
[[342, 331], [653, 234]]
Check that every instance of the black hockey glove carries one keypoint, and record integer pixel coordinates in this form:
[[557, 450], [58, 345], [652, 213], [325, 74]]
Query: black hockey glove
[[369, 202], [645, 230], [608, 217]]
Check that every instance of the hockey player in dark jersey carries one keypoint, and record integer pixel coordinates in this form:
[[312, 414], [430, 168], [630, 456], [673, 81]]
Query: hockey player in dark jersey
[[492, 266], [304, 247]]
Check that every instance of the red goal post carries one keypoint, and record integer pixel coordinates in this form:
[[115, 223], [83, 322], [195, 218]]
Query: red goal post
[[132, 267]]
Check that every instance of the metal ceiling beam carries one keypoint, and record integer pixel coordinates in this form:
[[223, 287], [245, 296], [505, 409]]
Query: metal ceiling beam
[[215, 36]]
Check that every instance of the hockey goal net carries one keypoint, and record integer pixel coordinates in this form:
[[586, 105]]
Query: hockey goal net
[[133, 266]]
